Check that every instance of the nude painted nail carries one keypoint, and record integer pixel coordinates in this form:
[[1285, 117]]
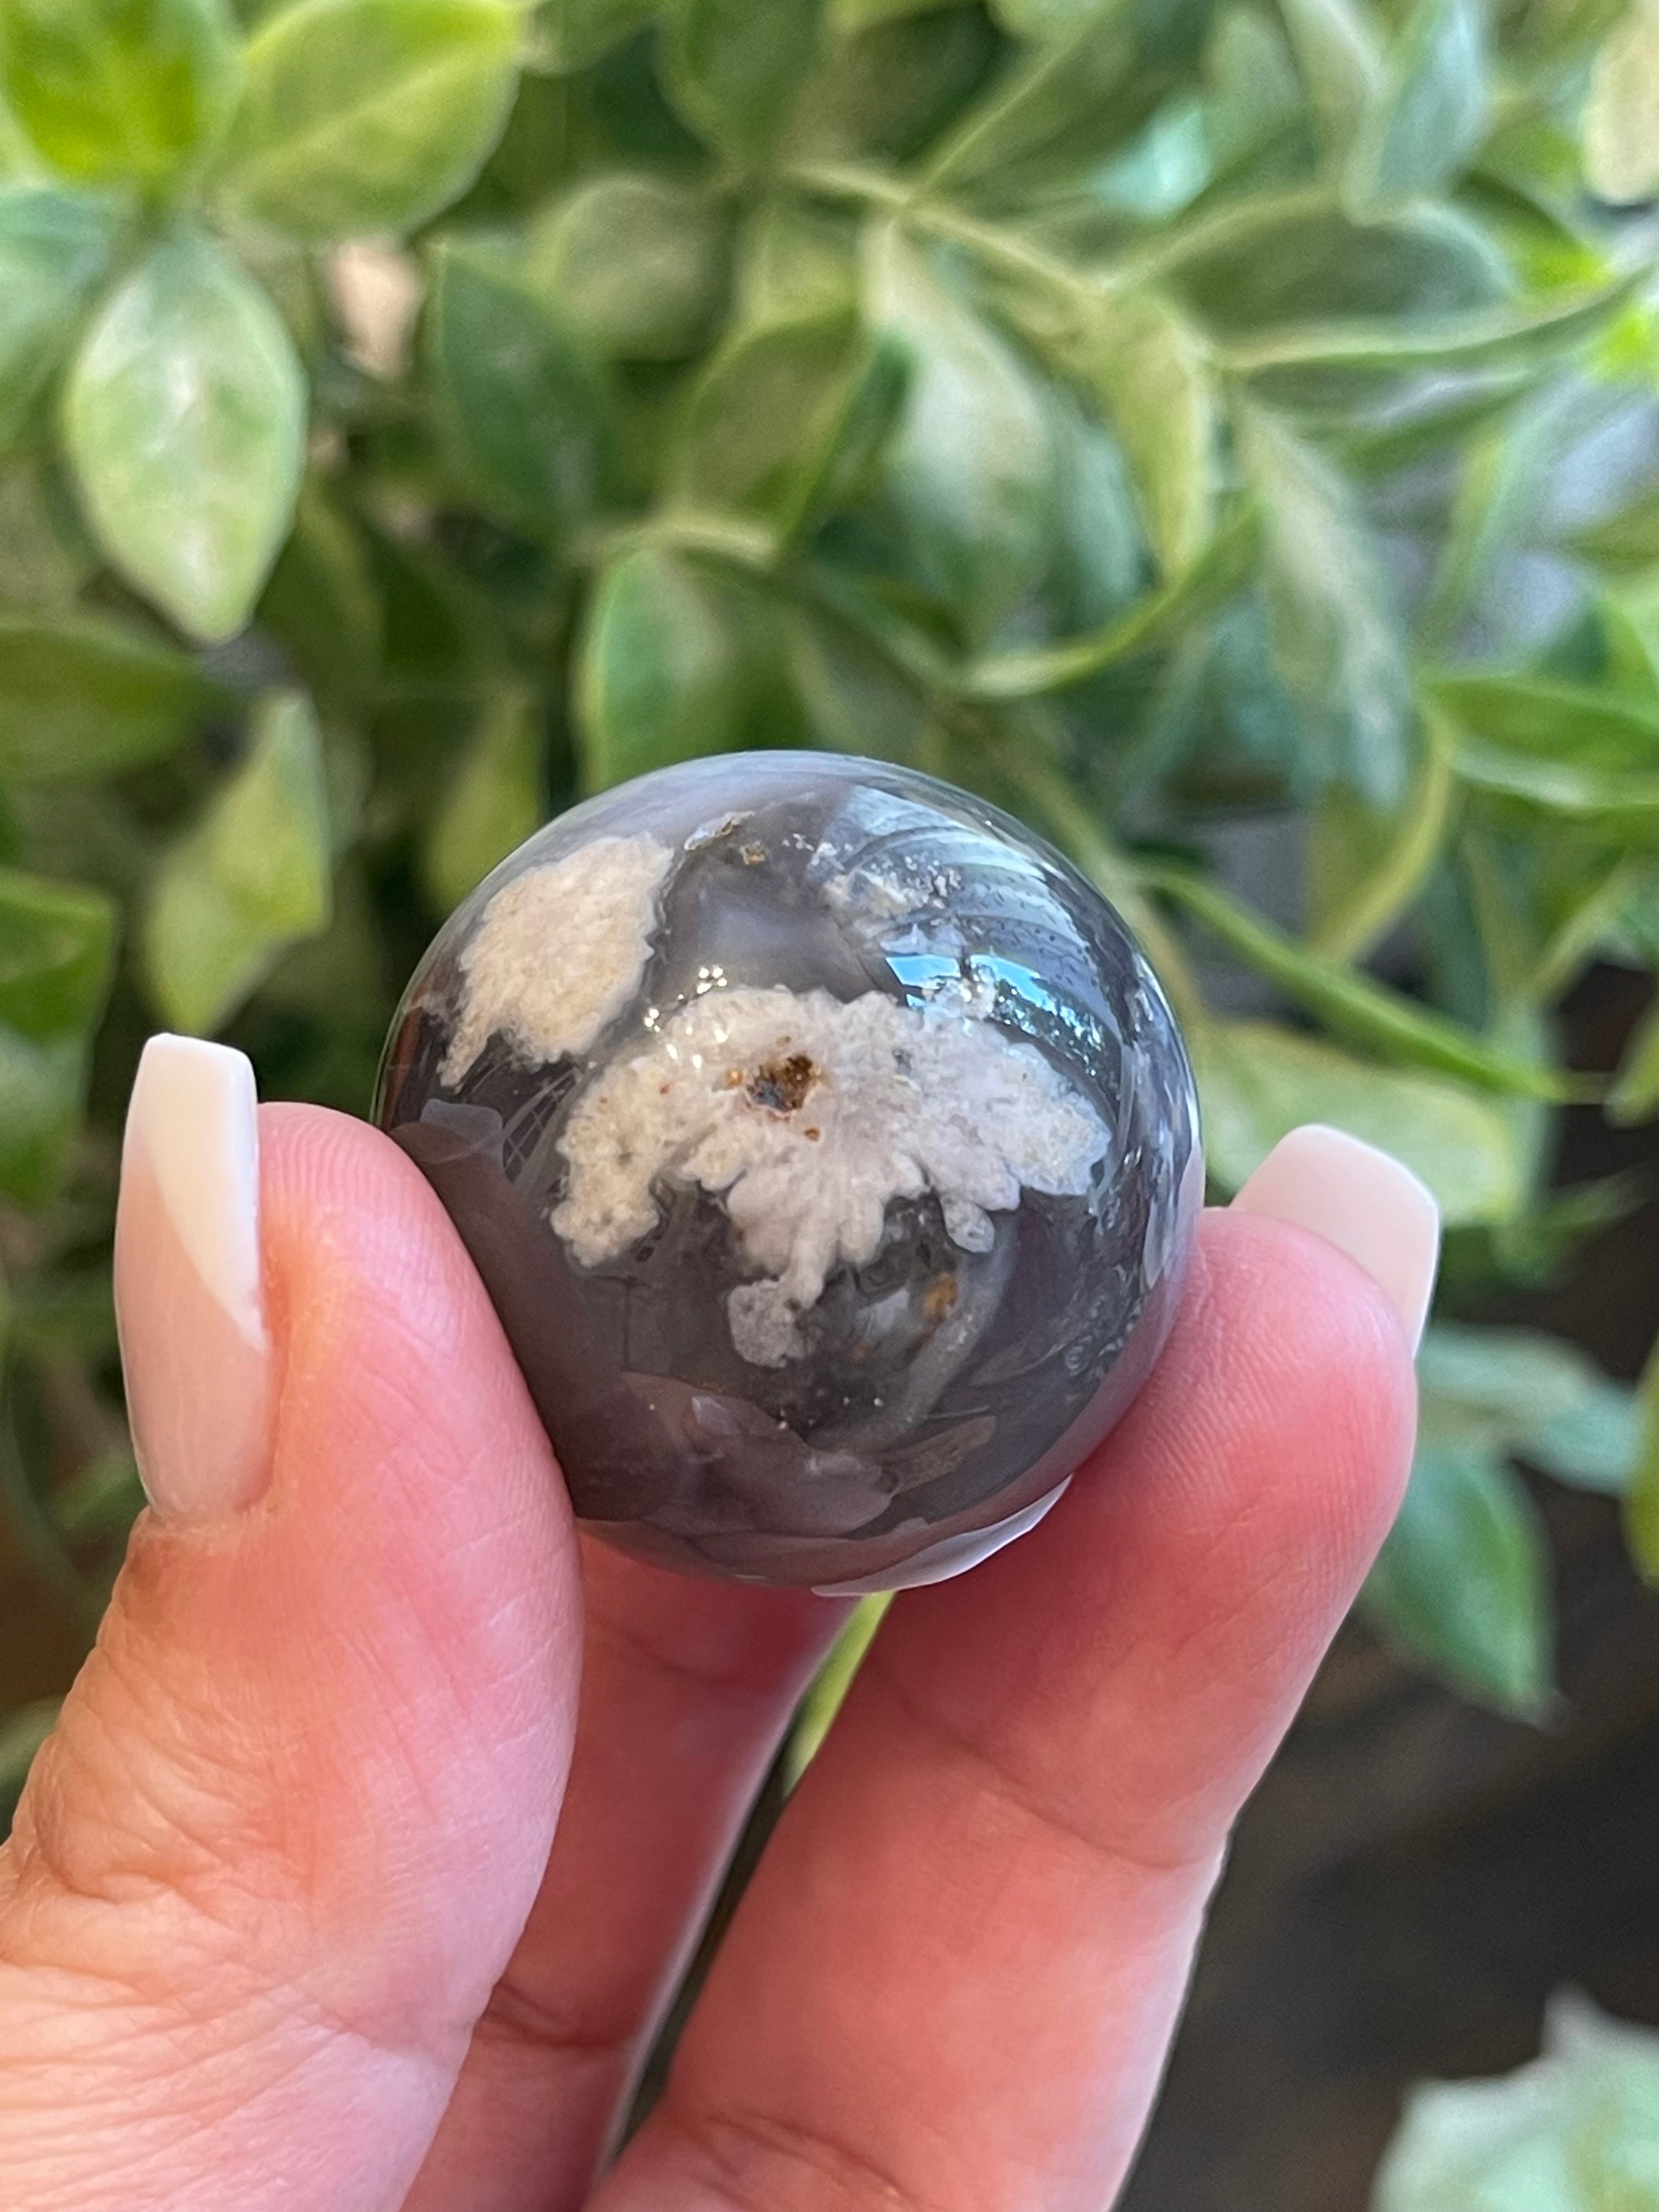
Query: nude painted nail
[[189, 1286], [1362, 1202]]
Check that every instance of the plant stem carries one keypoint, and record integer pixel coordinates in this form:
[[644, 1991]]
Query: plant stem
[[1379, 900], [1212, 230], [1351, 1002], [749, 546], [1053, 802], [990, 242], [1576, 939]]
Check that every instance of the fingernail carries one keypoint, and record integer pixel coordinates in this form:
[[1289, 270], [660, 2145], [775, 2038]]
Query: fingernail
[[189, 1287], [1362, 1202]]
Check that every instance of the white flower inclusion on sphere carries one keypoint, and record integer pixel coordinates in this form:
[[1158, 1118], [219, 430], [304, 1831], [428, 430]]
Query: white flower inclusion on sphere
[[810, 1115], [599, 907], [828, 1151]]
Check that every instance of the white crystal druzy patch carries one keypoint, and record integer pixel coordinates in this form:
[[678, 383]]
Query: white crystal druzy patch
[[810, 1114], [560, 952]]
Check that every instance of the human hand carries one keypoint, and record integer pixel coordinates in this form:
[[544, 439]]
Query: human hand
[[279, 1927]]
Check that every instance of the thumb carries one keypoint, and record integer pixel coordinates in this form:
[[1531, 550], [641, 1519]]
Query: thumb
[[266, 1872]]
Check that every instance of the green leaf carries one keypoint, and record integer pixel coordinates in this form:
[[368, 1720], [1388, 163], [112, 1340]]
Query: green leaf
[[1340, 60], [1159, 619], [1061, 106], [19, 163], [1635, 1094], [969, 471], [872, 403], [1254, 90], [1153, 376], [1573, 2132], [859, 14], [738, 449], [1613, 805], [635, 264], [102, 1501], [1503, 469], [1534, 1395], [523, 405], [1259, 1081], [1351, 1002], [572, 34], [45, 559], [1561, 750], [1550, 721], [1519, 334], [1627, 542], [1622, 637], [184, 422], [322, 603], [1462, 1583], [855, 700], [1049, 19], [119, 90], [886, 92], [1367, 868], [782, 417], [1099, 564], [1269, 259], [364, 116], [57, 946], [1593, 1444], [665, 675], [56, 249], [1621, 123], [832, 1682], [56, 957], [734, 70], [1514, 1380], [498, 798], [248, 879], [43, 1089], [82, 697], [796, 262], [437, 631], [1555, 30], [1337, 641], [1431, 113]]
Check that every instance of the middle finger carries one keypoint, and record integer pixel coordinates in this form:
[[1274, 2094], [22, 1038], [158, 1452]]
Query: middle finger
[[687, 1689]]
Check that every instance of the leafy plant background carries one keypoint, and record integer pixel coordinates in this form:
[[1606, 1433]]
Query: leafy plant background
[[1162, 415], [1572, 2133]]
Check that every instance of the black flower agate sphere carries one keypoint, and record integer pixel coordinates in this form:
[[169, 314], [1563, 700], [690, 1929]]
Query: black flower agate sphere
[[829, 1151]]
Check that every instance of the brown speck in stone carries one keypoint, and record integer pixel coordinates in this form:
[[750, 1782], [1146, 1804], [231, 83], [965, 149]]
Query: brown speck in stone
[[782, 1084], [711, 832], [939, 1297], [812, 1135]]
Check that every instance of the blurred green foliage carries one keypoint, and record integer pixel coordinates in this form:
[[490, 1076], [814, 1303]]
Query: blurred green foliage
[[1163, 416], [1576, 2131]]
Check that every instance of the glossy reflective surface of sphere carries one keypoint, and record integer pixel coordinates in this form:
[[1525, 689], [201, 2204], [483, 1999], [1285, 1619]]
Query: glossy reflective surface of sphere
[[829, 1153]]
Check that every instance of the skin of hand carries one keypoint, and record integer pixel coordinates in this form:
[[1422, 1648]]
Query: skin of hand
[[378, 1828]]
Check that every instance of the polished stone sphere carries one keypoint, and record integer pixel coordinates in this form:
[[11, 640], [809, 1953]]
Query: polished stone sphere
[[829, 1151]]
